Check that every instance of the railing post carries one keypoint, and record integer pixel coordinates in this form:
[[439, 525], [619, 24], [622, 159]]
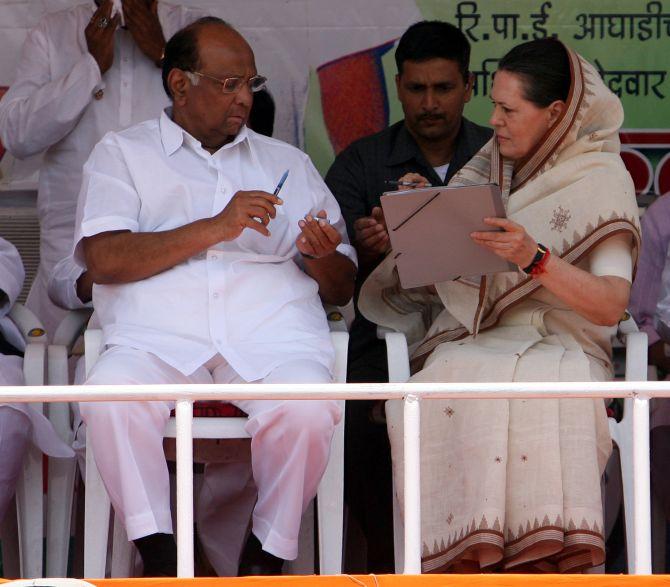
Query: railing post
[[184, 449], [412, 438], [641, 486]]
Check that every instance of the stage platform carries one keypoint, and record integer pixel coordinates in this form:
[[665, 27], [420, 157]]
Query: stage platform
[[401, 581]]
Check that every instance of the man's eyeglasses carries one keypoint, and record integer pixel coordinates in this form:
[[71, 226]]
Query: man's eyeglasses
[[232, 85]]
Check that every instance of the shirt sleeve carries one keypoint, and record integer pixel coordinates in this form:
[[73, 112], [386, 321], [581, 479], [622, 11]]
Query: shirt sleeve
[[345, 179], [62, 285], [613, 258], [324, 200], [12, 275], [647, 285], [38, 111], [108, 200]]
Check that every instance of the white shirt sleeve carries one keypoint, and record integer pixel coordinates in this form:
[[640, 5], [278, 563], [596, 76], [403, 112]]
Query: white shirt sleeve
[[62, 285], [12, 275], [613, 257], [38, 111], [108, 199]]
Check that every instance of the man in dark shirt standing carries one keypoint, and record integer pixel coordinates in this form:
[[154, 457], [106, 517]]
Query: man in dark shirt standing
[[428, 147]]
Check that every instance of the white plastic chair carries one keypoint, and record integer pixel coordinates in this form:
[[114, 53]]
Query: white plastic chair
[[621, 432], [330, 495], [62, 472], [29, 497]]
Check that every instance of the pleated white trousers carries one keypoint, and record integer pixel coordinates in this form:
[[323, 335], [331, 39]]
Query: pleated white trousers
[[290, 445]]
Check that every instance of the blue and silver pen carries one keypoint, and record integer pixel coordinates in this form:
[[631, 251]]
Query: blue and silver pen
[[280, 184]]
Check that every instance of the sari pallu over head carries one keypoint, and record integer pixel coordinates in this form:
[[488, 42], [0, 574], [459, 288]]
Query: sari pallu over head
[[571, 194]]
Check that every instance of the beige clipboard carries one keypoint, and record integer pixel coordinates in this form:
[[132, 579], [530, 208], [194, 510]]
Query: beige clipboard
[[430, 231]]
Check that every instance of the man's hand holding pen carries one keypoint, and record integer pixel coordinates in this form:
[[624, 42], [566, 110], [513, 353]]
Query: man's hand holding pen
[[252, 209], [317, 239]]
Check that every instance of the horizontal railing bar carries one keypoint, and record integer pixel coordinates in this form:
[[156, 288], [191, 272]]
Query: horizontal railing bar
[[227, 392]]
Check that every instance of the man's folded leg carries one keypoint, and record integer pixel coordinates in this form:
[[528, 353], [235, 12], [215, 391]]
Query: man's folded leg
[[290, 448], [127, 442]]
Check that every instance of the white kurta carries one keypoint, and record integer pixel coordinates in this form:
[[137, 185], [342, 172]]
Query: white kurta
[[241, 311], [246, 299], [51, 107]]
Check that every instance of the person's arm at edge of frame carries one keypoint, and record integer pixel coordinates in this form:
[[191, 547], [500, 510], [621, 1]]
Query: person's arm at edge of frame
[[647, 285]]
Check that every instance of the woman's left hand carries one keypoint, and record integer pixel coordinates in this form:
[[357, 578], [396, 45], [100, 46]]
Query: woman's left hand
[[513, 244]]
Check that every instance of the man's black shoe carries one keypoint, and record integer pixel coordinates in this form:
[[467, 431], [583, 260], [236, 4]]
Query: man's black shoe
[[159, 555], [256, 561]]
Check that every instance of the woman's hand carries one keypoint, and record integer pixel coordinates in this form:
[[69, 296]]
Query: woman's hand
[[513, 244]]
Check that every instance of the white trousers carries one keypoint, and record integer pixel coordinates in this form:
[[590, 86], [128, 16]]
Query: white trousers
[[290, 445]]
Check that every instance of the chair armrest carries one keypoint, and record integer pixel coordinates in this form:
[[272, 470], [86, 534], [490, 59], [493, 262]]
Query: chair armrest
[[627, 325], [339, 317], [28, 324], [397, 356], [382, 331], [636, 356], [34, 360], [340, 342], [71, 327]]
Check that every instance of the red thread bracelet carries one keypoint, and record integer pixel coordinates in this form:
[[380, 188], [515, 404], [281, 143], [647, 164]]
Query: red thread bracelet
[[539, 266]]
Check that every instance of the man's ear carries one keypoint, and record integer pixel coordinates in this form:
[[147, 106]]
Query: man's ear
[[179, 84], [469, 85]]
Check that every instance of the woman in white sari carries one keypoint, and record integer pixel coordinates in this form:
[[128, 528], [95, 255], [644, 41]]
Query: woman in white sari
[[515, 485]]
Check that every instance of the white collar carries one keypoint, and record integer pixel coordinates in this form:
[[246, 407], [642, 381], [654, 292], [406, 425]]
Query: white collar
[[173, 136]]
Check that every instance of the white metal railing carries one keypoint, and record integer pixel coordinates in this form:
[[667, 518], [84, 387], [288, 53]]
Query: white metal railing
[[411, 393]]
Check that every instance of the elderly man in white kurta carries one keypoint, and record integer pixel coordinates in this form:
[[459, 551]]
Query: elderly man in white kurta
[[81, 75], [19, 423], [202, 274]]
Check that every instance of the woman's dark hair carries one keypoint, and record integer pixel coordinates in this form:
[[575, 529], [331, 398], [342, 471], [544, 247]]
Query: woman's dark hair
[[430, 39], [544, 68], [181, 51]]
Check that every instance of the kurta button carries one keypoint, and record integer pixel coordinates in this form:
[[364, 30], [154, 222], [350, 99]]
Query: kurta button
[[99, 94], [216, 296], [214, 257]]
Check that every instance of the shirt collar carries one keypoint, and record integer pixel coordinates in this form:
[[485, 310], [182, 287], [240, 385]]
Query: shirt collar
[[174, 136], [404, 148]]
